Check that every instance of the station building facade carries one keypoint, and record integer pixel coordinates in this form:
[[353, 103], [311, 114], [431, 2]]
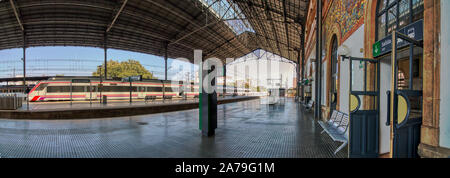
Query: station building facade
[[363, 29]]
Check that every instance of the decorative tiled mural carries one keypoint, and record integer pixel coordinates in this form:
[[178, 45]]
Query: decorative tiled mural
[[347, 14]]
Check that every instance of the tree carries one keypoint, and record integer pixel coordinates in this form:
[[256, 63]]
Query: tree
[[247, 85], [124, 69]]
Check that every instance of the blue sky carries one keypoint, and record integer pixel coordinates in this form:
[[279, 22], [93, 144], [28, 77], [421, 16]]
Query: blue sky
[[71, 61], [83, 61]]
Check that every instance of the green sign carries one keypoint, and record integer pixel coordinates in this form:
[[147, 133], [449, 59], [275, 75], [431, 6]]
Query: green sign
[[384, 46], [376, 49]]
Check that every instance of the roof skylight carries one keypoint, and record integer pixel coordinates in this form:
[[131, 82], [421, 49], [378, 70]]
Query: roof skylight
[[227, 10]]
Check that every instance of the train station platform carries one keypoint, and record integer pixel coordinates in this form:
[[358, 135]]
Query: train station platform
[[88, 110], [246, 129]]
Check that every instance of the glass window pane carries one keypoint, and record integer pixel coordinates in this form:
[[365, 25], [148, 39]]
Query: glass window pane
[[227, 10], [93, 88], [357, 75], [58, 89], [402, 80], [106, 89], [417, 4], [404, 13], [392, 18], [41, 87], [334, 65], [65, 89], [392, 1], [51, 89], [382, 5], [78, 89], [381, 26], [154, 89], [417, 10]]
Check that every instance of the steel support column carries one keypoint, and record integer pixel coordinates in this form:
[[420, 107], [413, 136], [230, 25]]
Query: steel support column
[[207, 102], [269, 71], [105, 48], [302, 40], [24, 62], [224, 88], [165, 70], [235, 80], [247, 79], [257, 74], [165, 60], [318, 68], [297, 98]]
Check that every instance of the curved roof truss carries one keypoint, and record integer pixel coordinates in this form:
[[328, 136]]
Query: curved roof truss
[[147, 26]]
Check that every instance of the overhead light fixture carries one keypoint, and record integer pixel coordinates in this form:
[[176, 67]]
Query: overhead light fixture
[[344, 50]]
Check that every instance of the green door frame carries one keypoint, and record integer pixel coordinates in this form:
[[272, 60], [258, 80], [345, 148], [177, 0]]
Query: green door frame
[[405, 136], [364, 124]]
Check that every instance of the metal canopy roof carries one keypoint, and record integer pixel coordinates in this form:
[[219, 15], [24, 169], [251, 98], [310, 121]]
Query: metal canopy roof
[[148, 25]]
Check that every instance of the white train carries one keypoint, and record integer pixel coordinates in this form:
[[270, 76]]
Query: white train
[[65, 89], [82, 89]]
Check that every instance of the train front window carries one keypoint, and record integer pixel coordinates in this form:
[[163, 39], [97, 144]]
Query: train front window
[[41, 87]]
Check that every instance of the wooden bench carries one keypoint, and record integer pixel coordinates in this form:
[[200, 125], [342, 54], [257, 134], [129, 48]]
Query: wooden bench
[[337, 128]]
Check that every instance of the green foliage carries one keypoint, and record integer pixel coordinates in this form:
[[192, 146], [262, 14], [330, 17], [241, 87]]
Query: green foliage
[[124, 69], [261, 89], [247, 85]]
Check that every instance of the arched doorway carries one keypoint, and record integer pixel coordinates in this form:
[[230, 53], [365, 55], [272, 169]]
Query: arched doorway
[[334, 73], [402, 79]]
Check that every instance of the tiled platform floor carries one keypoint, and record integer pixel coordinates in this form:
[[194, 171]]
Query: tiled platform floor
[[61, 105], [245, 130]]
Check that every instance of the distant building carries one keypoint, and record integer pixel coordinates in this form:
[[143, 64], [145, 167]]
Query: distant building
[[294, 81]]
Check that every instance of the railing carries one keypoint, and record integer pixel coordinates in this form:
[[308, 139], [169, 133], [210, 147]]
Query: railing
[[11, 101]]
